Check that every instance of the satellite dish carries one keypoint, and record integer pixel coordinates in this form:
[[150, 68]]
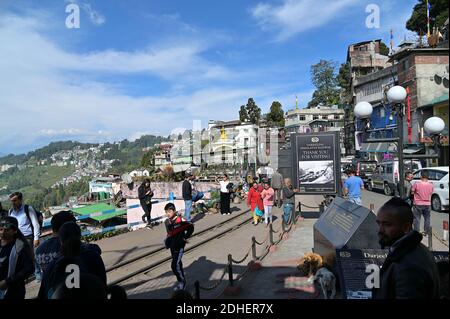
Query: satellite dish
[[127, 178]]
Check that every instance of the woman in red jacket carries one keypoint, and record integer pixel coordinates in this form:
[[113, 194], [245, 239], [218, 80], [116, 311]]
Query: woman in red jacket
[[254, 201]]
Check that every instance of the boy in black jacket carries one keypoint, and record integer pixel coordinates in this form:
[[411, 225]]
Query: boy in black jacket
[[178, 231]]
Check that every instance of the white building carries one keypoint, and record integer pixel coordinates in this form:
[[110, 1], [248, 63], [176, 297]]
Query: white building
[[316, 119], [140, 173]]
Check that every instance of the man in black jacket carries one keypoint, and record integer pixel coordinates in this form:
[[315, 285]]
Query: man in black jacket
[[187, 195], [409, 271], [145, 195], [178, 231], [16, 261]]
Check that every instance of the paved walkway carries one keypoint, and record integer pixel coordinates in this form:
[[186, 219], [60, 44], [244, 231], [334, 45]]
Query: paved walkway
[[279, 278]]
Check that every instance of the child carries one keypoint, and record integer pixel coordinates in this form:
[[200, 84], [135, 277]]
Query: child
[[267, 197], [178, 231]]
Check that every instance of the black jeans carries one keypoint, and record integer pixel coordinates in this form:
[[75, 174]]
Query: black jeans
[[224, 203], [177, 265], [147, 209]]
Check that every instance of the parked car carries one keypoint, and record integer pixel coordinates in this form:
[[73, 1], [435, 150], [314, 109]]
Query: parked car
[[438, 176], [385, 177], [365, 170]]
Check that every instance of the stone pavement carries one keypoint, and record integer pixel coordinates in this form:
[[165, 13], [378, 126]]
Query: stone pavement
[[279, 278], [131, 244]]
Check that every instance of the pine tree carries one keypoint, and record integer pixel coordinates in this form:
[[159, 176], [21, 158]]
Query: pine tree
[[276, 115], [253, 111]]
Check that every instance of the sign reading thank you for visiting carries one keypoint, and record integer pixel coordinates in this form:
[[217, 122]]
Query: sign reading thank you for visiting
[[316, 162]]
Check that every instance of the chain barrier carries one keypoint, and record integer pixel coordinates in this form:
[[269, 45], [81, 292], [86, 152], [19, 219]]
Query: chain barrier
[[275, 231], [243, 259], [262, 243], [229, 266], [311, 207], [239, 277], [212, 287]]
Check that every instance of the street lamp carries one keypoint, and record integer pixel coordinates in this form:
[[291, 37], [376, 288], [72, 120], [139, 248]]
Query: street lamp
[[433, 126]]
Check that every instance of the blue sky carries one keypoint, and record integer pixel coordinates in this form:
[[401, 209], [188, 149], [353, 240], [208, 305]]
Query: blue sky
[[152, 67]]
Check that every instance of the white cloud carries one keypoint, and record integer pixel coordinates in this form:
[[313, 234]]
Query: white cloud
[[46, 89], [95, 17], [296, 16], [52, 132]]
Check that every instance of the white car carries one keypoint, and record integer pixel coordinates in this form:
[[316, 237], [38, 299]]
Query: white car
[[438, 176]]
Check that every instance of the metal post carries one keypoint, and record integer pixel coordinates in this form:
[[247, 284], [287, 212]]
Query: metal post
[[321, 208], [253, 248], [197, 290], [271, 234], [299, 208], [230, 270], [401, 177]]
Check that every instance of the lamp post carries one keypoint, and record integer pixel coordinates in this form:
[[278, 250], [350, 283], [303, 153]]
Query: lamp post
[[433, 126]]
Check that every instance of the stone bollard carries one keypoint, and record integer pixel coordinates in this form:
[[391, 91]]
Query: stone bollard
[[232, 289], [254, 264], [445, 229]]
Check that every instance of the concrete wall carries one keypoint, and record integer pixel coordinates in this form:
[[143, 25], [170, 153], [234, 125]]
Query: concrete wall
[[427, 87], [163, 189]]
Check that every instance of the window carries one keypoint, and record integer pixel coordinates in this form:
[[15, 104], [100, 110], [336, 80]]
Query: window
[[302, 118], [315, 117], [440, 175], [405, 64], [382, 112], [417, 175], [389, 169]]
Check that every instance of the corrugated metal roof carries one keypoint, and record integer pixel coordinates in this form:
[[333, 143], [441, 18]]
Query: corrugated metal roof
[[95, 208]]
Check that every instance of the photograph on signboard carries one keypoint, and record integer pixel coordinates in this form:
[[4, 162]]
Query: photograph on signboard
[[317, 162], [316, 172]]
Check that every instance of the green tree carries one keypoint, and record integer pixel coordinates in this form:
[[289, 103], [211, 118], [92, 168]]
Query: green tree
[[418, 20], [243, 115], [253, 111], [384, 50], [324, 79], [276, 115], [148, 158], [344, 80]]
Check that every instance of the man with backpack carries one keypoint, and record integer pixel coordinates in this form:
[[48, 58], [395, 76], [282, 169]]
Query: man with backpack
[[29, 220]]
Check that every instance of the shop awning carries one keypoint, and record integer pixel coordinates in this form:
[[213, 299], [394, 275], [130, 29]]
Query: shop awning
[[412, 150], [378, 147]]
